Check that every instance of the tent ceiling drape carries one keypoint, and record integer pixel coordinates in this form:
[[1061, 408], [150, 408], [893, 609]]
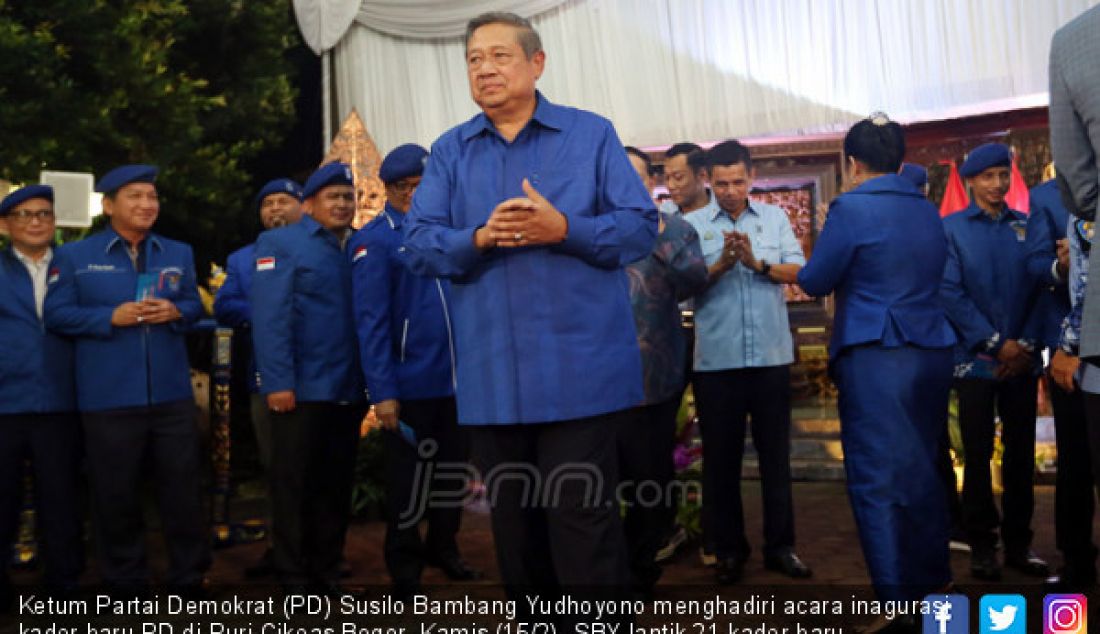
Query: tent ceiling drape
[[324, 22], [668, 70]]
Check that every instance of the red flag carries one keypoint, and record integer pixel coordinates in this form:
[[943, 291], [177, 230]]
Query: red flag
[[954, 197], [1017, 197]]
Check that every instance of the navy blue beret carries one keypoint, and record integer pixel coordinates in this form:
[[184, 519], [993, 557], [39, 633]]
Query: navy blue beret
[[116, 178], [278, 186], [402, 162], [914, 173], [984, 157], [23, 194], [335, 173]]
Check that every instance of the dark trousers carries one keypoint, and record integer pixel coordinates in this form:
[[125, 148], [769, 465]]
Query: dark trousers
[[646, 442], [945, 466], [724, 399], [1074, 501], [52, 444], [551, 487], [120, 444], [313, 451], [424, 482], [1014, 401]]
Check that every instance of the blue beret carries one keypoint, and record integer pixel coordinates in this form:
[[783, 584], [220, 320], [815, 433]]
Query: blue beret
[[914, 173], [402, 162], [278, 186], [25, 193], [335, 173], [984, 157], [116, 178]]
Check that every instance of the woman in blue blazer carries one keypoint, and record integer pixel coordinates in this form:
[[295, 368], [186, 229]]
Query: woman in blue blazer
[[882, 252]]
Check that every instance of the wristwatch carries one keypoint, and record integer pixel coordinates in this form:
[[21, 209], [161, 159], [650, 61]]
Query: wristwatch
[[764, 267]]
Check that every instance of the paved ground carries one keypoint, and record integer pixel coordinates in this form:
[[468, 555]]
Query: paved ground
[[826, 541]]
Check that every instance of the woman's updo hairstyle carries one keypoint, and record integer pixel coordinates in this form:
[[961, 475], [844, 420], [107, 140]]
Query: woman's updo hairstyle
[[877, 142]]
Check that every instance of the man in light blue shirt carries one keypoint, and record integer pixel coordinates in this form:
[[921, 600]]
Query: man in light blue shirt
[[743, 350]]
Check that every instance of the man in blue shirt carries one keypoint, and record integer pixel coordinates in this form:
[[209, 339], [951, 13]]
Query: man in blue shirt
[[307, 363], [38, 417], [1049, 264], [990, 300], [407, 354], [532, 210], [127, 296], [743, 352], [280, 203]]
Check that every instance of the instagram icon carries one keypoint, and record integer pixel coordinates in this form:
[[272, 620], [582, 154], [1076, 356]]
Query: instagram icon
[[1065, 614]]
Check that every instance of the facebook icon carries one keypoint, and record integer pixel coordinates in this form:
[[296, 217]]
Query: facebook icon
[[946, 614]]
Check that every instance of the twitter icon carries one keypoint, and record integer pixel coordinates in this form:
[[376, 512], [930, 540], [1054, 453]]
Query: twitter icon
[[1003, 614]]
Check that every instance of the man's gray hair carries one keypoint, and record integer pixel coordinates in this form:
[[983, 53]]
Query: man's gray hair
[[527, 37]]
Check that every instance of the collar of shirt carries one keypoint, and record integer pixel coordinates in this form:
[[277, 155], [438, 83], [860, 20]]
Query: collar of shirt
[[546, 114], [669, 207], [114, 239], [31, 264], [888, 184], [718, 211], [393, 217], [312, 226], [975, 212], [39, 275]]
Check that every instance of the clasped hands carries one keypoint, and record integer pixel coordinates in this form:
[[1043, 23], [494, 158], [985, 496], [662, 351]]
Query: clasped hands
[[148, 311], [737, 247], [523, 222]]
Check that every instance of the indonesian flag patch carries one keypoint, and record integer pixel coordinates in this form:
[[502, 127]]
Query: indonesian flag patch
[[55, 274], [265, 264], [359, 253]]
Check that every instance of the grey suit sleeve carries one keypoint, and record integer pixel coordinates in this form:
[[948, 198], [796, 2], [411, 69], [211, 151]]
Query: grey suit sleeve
[[1074, 153]]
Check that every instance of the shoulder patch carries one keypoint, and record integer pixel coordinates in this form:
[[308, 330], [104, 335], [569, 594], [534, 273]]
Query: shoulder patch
[[265, 264]]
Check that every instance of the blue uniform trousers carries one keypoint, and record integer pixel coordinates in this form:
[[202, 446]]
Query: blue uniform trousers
[[1014, 401], [121, 444], [893, 409], [426, 482], [312, 472], [52, 443]]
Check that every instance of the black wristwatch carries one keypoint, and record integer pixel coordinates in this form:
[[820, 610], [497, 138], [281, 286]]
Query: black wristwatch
[[764, 267]]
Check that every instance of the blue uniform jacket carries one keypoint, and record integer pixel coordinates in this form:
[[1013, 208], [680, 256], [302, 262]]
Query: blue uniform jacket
[[231, 304], [303, 333], [542, 333], [987, 292], [882, 250], [135, 366], [36, 366], [1046, 225], [231, 307], [403, 319]]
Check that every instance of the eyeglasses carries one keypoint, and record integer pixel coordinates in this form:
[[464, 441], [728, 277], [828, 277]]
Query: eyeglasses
[[404, 186], [25, 216]]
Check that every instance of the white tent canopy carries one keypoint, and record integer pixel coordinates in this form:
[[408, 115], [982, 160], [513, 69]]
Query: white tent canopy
[[669, 70]]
